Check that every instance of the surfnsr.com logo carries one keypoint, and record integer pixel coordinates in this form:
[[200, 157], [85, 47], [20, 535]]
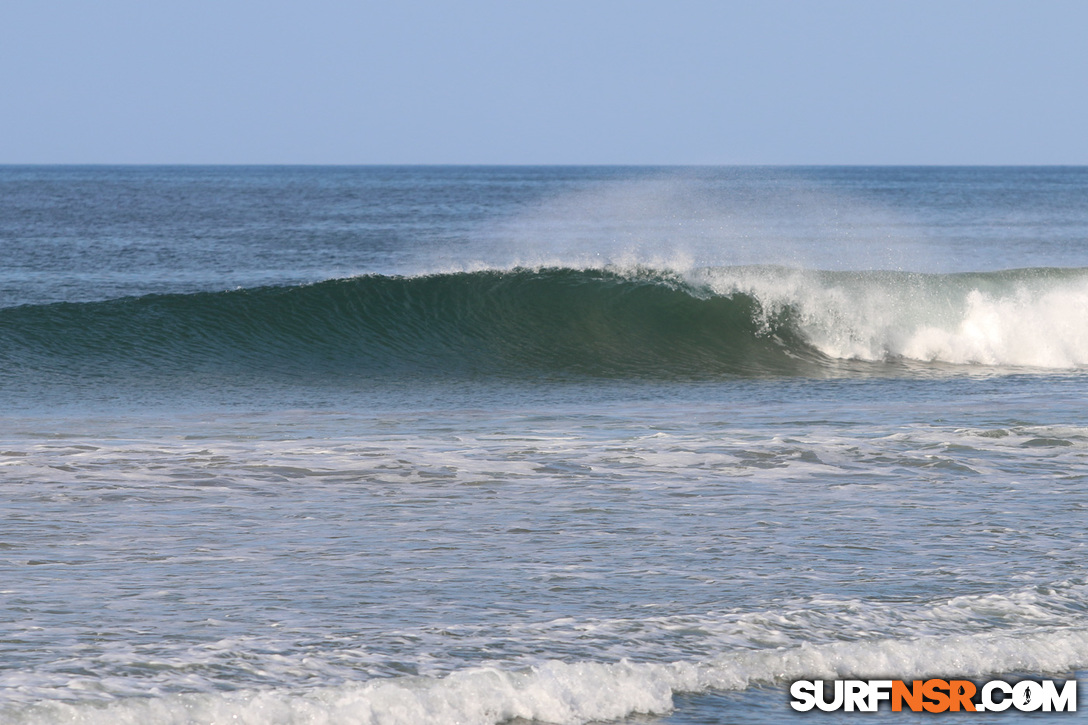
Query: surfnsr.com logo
[[934, 695]]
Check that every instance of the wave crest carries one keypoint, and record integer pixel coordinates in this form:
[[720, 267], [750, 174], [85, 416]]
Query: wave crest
[[557, 692], [708, 322]]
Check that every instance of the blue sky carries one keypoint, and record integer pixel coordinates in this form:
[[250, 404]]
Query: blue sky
[[548, 82]]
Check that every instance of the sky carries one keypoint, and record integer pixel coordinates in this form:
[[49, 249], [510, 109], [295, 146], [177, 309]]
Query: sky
[[544, 82]]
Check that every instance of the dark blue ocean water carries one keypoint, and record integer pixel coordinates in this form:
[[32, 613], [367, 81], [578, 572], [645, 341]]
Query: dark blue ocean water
[[411, 444]]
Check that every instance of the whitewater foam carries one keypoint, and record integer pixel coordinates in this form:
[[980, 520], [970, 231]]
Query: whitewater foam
[[1030, 318], [580, 692]]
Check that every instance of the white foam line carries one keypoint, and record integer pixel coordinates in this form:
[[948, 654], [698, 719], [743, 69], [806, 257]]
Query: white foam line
[[557, 692]]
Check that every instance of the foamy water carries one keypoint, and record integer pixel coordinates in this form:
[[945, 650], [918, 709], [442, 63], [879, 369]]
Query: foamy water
[[1016, 318], [725, 430]]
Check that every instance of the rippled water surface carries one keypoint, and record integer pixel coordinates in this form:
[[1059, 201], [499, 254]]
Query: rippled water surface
[[637, 453]]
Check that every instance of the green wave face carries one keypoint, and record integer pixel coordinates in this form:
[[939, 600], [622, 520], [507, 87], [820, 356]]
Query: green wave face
[[518, 322], [710, 322]]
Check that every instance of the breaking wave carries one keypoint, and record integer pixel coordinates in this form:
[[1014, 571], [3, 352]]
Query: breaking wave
[[610, 322], [557, 692]]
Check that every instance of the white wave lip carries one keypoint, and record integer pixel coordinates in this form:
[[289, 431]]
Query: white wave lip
[[1034, 322], [569, 694]]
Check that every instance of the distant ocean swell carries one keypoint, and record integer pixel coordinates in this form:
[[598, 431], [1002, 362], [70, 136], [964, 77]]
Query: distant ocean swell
[[704, 322]]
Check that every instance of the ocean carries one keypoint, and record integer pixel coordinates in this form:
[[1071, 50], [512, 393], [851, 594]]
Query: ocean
[[535, 444]]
